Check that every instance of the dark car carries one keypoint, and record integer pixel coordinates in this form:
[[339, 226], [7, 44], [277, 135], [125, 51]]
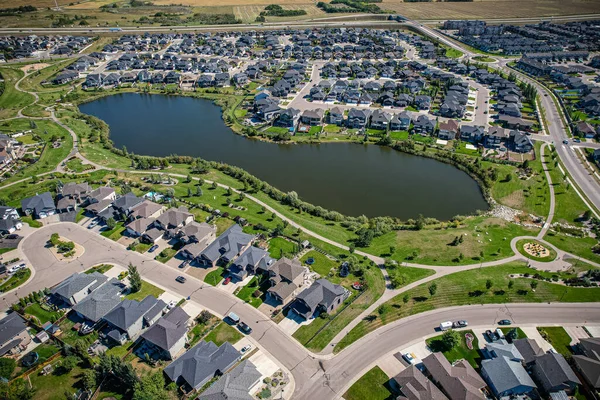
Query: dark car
[[151, 250], [504, 322], [460, 324], [180, 279], [490, 335], [184, 264], [245, 328]]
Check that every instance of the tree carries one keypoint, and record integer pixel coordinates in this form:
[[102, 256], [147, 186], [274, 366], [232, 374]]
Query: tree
[[111, 223], [19, 390], [199, 191], [135, 280], [488, 284], [68, 363], [88, 379], [508, 177], [512, 334], [273, 216], [587, 215], [188, 178], [450, 339], [533, 284], [7, 367], [150, 387], [420, 222], [432, 289], [406, 298], [392, 249], [204, 317], [189, 192], [215, 185], [511, 283]]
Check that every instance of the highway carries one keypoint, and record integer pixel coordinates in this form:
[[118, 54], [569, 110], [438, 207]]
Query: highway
[[315, 376]]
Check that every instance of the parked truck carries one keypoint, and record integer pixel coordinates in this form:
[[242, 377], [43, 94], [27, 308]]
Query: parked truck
[[444, 326]]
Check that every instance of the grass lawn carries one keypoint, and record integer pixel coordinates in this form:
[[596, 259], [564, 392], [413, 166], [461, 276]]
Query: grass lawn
[[34, 223], [314, 130], [6, 250], [165, 255], [53, 386], [102, 268], [460, 351], [453, 53], [374, 385], [46, 350], [76, 165], [574, 245], [279, 247], [322, 265], [214, 277], [332, 129], [547, 258], [484, 59], [142, 247], [147, 289], [224, 333], [114, 233], [12, 100], [558, 338], [399, 135], [520, 333], [42, 315], [17, 279], [246, 293], [469, 287], [71, 337], [277, 130]]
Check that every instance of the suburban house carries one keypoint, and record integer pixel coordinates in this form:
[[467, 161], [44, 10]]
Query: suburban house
[[471, 133], [100, 199], [77, 286], [285, 276], [39, 206], [358, 118], [312, 117], [173, 219], [529, 350], [504, 371], [140, 226], [588, 363], [9, 220], [237, 384], [169, 334], [129, 317], [380, 120], [14, 336], [249, 262], [229, 245], [196, 232], [495, 137], [146, 209], [459, 381], [448, 130], [98, 303], [423, 125], [400, 122], [288, 118], [415, 386], [201, 363], [321, 296], [520, 142], [553, 374], [336, 116], [585, 129], [76, 191], [124, 204]]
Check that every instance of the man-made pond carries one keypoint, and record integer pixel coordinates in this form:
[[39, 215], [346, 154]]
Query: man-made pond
[[350, 178]]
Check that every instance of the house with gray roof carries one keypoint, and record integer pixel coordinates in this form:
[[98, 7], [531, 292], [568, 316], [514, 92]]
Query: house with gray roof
[[249, 262], [503, 370], [529, 350], [77, 286], [553, 373], [125, 203], [459, 381], [321, 296], [139, 226], [196, 232], [39, 206], [415, 386], [588, 363], [173, 219], [229, 245], [97, 304], [237, 384], [168, 335], [201, 363], [129, 317], [14, 337], [146, 209], [76, 191]]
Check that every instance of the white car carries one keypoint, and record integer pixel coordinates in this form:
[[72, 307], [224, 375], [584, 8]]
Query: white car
[[92, 224], [246, 348], [409, 357], [171, 304]]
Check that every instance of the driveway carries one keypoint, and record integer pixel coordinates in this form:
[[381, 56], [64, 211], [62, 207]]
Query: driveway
[[576, 333], [232, 286], [532, 333], [594, 330], [390, 365], [292, 323]]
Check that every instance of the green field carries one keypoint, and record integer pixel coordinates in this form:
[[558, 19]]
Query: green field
[[11, 101], [374, 385]]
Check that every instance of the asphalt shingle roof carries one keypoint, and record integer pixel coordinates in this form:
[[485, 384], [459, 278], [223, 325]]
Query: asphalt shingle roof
[[235, 384], [128, 312], [169, 329]]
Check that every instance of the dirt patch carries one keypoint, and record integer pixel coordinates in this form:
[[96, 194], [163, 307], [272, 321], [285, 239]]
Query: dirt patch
[[34, 67], [514, 200]]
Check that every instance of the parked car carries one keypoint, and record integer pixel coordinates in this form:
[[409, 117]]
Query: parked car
[[245, 328], [180, 279], [409, 357], [233, 317], [504, 322], [577, 140], [227, 280], [171, 304], [151, 250], [184, 264], [92, 224], [460, 324], [246, 348], [491, 336]]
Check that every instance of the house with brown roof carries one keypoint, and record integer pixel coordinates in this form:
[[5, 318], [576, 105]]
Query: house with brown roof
[[459, 381], [415, 386], [448, 130], [286, 277]]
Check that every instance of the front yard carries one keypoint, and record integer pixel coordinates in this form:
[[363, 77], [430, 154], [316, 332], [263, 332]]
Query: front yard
[[147, 289], [247, 293], [460, 351], [224, 333], [374, 385], [558, 338]]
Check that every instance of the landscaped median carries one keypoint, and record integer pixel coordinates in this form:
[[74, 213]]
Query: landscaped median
[[477, 286], [536, 250]]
